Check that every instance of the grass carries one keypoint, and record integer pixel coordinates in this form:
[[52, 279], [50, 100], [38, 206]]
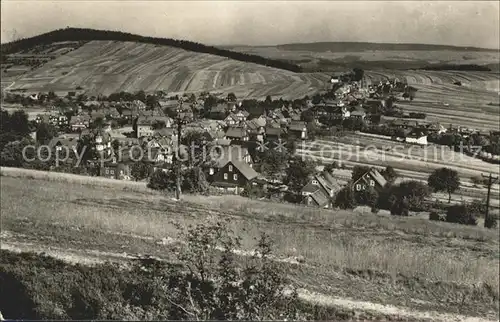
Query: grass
[[329, 240]]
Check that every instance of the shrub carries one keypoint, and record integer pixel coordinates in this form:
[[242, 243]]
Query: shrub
[[345, 199], [161, 180], [461, 214], [434, 215], [490, 222]]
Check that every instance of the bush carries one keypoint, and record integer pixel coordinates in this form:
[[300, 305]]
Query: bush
[[490, 222], [345, 199], [461, 214], [434, 215], [161, 180]]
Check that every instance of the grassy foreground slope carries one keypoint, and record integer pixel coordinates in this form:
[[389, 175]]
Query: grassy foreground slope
[[407, 262]]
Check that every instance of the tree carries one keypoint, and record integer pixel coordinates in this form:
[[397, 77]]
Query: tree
[[316, 99], [162, 180], [141, 96], [273, 163], [344, 198], [152, 102], [218, 287], [209, 103], [297, 173], [331, 167], [358, 74], [140, 170], [45, 132], [194, 181], [389, 174], [444, 179], [231, 97], [18, 123]]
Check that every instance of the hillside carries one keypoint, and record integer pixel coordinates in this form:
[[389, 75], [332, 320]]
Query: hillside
[[79, 34], [105, 67], [407, 262]]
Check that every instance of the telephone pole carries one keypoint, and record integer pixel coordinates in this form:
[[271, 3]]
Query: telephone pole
[[491, 180], [179, 120]]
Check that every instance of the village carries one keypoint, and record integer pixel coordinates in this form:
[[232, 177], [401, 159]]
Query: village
[[254, 140]]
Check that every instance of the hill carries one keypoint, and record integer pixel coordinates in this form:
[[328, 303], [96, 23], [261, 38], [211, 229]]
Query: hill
[[369, 46], [108, 66], [79, 34]]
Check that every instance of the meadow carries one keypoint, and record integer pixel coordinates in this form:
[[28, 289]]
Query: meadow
[[354, 254]]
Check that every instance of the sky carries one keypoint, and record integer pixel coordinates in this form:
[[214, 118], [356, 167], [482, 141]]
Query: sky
[[460, 23]]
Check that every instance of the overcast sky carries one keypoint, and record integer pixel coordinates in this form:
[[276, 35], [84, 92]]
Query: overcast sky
[[467, 23]]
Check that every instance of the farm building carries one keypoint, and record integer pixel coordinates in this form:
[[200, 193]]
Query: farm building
[[298, 129], [79, 122], [319, 190], [416, 136], [237, 134], [231, 175], [371, 178]]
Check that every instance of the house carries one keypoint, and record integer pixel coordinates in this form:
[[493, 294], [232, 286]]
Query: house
[[331, 112], [435, 128], [416, 136], [111, 113], [218, 112], [320, 190], [372, 178], [274, 134], [232, 120], [147, 125], [232, 152], [79, 122], [115, 170], [127, 114], [237, 134], [231, 175], [59, 144], [298, 129], [358, 114], [102, 141]]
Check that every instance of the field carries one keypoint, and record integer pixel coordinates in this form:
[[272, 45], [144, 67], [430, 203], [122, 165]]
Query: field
[[101, 67], [410, 263]]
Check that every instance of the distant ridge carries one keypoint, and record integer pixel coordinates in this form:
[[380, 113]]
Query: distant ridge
[[368, 46], [79, 34]]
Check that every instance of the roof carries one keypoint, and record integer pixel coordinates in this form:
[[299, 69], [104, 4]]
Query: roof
[[69, 142], [297, 126], [310, 187], [358, 113], [236, 132], [274, 131], [248, 172], [378, 177], [223, 154], [148, 120], [320, 198], [164, 132], [417, 133], [79, 118]]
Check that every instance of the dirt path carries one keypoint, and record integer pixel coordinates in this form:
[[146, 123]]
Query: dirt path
[[91, 257]]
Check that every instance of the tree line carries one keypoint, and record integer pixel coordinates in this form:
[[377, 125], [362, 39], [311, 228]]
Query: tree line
[[81, 34]]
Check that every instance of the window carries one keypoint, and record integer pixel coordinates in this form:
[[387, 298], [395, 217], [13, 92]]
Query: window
[[358, 187], [230, 168], [314, 182], [111, 171], [372, 183], [225, 176], [106, 171], [235, 177], [211, 171]]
